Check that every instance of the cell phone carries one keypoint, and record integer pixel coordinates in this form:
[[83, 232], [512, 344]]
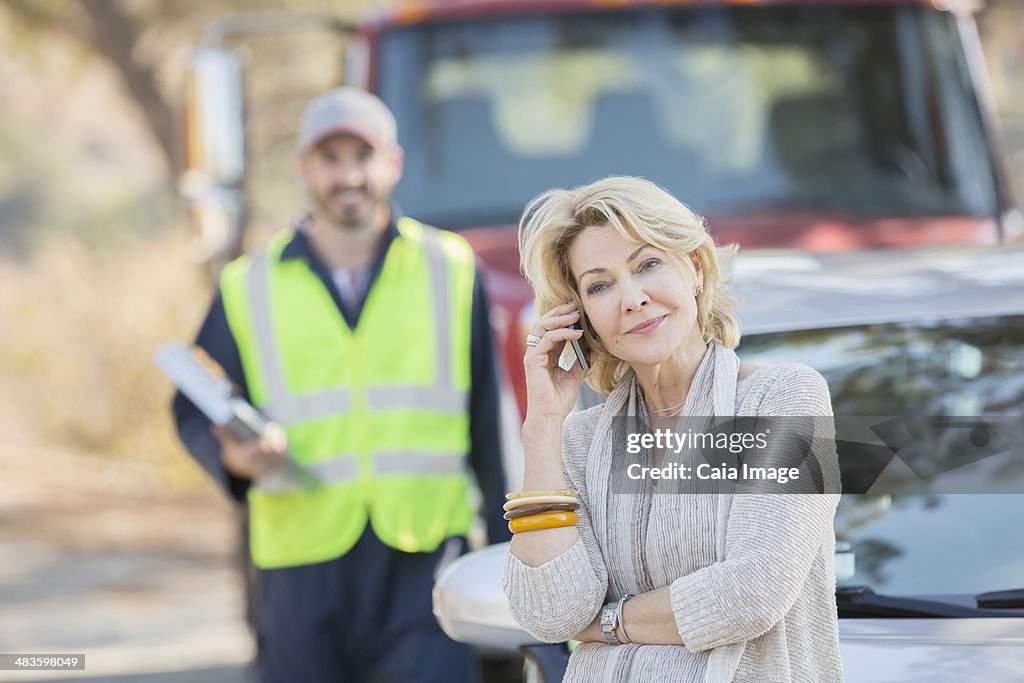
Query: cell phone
[[579, 346]]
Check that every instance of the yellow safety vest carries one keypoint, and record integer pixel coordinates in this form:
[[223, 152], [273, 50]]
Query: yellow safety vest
[[377, 417]]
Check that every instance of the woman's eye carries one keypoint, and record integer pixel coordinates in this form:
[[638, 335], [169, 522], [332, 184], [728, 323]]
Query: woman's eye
[[650, 263], [595, 288]]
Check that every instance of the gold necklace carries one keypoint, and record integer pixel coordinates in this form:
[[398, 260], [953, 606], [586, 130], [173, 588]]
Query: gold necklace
[[667, 412]]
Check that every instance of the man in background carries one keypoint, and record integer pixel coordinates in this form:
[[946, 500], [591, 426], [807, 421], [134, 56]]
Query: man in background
[[364, 336]]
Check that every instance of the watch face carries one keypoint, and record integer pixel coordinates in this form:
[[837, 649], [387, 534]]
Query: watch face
[[607, 618]]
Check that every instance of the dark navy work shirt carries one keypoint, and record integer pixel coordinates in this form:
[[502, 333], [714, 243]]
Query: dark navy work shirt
[[485, 440]]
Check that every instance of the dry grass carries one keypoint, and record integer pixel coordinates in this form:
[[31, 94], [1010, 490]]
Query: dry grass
[[79, 330]]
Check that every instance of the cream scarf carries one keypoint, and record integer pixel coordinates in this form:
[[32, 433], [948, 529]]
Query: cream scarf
[[713, 392]]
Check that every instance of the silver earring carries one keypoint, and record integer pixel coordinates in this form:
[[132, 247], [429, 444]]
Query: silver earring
[[699, 290]]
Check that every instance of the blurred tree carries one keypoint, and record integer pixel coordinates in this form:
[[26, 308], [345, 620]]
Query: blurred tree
[[137, 39], [147, 42], [114, 35], [105, 28]]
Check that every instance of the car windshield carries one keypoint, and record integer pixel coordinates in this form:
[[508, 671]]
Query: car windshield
[[867, 111], [917, 544]]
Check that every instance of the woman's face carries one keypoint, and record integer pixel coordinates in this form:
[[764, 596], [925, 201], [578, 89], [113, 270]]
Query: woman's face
[[639, 299]]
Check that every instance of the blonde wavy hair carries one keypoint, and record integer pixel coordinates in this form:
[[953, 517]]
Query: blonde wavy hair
[[639, 210]]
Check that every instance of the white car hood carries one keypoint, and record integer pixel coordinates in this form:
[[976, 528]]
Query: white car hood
[[933, 650]]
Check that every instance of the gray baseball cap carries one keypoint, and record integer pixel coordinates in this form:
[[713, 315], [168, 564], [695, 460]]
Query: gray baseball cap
[[347, 110]]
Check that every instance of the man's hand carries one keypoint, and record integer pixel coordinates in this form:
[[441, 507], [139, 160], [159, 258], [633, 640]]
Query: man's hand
[[254, 458]]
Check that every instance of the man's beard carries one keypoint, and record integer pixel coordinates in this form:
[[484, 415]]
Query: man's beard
[[355, 220]]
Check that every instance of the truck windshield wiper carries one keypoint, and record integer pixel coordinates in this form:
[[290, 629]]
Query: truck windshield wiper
[[1001, 599], [862, 601]]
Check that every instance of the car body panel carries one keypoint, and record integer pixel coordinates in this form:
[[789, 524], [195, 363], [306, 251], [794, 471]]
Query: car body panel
[[470, 603], [788, 289], [934, 650]]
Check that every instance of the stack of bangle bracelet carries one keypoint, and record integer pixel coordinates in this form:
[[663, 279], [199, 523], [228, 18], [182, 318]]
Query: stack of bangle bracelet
[[535, 510]]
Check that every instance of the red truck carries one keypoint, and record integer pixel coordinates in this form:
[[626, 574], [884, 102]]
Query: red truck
[[826, 125]]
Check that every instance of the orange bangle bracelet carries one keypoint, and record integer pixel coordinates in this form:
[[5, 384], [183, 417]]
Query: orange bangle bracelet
[[542, 520]]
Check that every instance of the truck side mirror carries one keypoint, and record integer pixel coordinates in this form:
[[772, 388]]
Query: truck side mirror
[[214, 117], [211, 184]]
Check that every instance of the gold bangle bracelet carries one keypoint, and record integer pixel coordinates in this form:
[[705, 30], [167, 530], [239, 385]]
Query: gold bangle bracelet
[[529, 494], [538, 500], [543, 520]]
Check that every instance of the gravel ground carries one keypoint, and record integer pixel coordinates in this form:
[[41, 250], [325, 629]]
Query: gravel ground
[[95, 560]]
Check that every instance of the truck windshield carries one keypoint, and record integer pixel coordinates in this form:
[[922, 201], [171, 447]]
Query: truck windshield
[[868, 110], [962, 371]]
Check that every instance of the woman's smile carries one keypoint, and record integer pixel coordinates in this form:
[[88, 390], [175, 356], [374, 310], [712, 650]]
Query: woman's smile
[[648, 326]]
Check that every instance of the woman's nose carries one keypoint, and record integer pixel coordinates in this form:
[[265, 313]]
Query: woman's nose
[[633, 295]]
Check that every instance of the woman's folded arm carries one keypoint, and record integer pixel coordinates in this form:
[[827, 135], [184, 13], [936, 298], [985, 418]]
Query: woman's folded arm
[[555, 579], [768, 557], [559, 598]]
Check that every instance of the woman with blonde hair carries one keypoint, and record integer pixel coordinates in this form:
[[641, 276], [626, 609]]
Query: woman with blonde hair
[[700, 587]]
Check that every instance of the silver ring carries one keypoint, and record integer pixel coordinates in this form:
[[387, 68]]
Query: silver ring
[[532, 340]]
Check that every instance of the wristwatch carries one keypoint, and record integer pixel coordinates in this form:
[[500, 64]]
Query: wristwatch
[[611, 614], [608, 622]]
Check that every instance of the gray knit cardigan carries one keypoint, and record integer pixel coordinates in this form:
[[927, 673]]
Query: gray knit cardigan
[[774, 593]]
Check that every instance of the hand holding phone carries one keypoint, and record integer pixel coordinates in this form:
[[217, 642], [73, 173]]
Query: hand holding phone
[[552, 378]]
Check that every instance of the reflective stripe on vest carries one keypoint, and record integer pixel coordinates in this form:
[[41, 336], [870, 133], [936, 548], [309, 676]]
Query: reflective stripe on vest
[[344, 467]]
